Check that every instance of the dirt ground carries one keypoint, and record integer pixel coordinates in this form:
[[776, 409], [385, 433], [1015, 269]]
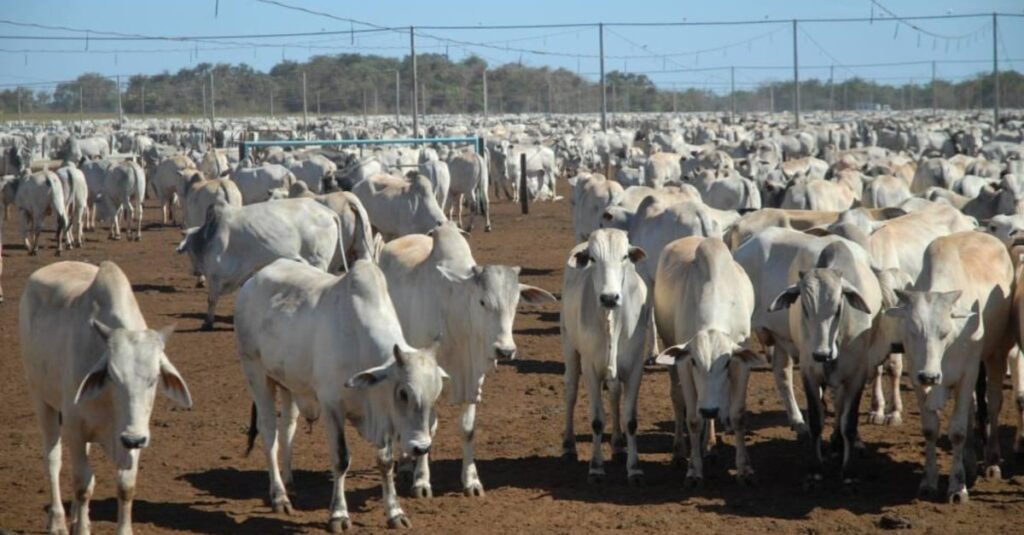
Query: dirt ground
[[194, 477]]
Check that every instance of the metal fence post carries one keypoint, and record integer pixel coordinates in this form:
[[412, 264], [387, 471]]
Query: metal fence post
[[524, 195], [995, 72], [415, 84], [796, 79], [604, 92]]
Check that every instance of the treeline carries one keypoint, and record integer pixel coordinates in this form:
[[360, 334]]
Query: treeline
[[357, 84]]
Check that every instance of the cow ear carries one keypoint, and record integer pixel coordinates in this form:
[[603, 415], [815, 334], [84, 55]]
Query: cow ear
[[854, 298], [636, 254], [534, 295], [747, 356], [399, 355], [452, 276], [101, 329], [607, 216], [444, 375], [670, 355], [166, 331], [785, 299], [93, 382], [172, 384], [579, 260], [367, 378]]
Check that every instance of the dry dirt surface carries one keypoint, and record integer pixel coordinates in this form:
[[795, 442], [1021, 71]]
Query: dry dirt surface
[[194, 477]]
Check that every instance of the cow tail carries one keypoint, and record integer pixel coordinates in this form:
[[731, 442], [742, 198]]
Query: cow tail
[[252, 432], [481, 187], [341, 244], [365, 231]]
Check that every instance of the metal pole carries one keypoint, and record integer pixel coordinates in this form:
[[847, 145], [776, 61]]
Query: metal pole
[[81, 104], [995, 72], [271, 102], [485, 94], [771, 97], [204, 100], [318, 103], [911, 90], [364, 107], [305, 109], [398, 98], [732, 95], [213, 105], [120, 110], [19, 103], [796, 79], [524, 195], [831, 91], [674, 94], [935, 98], [143, 104], [415, 84], [604, 92]]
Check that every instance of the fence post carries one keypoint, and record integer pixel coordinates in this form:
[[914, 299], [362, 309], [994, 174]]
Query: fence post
[[831, 91], [732, 95], [796, 79], [305, 109], [415, 84], [120, 109], [213, 108], [398, 99], [524, 195], [604, 91], [995, 72], [935, 98], [485, 94]]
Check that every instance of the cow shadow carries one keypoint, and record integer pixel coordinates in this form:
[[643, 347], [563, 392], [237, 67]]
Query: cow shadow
[[192, 517], [219, 321], [535, 272], [159, 288], [535, 366], [542, 316], [311, 490], [539, 331]]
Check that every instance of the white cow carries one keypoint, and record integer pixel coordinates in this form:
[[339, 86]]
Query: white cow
[[170, 179], [76, 197], [604, 328], [214, 164], [235, 242], [38, 194], [591, 196], [93, 368], [124, 191], [200, 194], [95, 172], [255, 183], [956, 318], [333, 348], [397, 207], [703, 301], [441, 294], [440, 178], [469, 182]]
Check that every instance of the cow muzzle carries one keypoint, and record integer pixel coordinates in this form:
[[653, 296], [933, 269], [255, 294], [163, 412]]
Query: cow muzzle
[[822, 356], [709, 413], [927, 378], [502, 352], [610, 300], [133, 441]]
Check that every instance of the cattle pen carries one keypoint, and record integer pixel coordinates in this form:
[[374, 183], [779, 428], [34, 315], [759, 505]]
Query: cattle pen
[[244, 146]]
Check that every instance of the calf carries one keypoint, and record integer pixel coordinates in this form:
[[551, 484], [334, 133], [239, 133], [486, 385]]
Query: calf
[[604, 325], [93, 367], [334, 348], [703, 301]]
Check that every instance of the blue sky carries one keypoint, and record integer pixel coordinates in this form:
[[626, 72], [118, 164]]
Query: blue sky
[[635, 49]]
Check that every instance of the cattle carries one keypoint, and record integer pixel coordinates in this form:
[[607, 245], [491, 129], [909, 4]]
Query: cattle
[[95, 172], [469, 182], [885, 191], [661, 169], [703, 301], [93, 367], [604, 328], [169, 180], [541, 171], [76, 197], [90, 148], [334, 349], [314, 170], [440, 178], [397, 207], [591, 196], [37, 195], [819, 195], [124, 191], [255, 183], [442, 295], [214, 164], [729, 192], [356, 230], [956, 319], [833, 307], [199, 194], [235, 242]]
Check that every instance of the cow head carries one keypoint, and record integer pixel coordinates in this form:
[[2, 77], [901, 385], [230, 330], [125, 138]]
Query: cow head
[[931, 322], [414, 381], [611, 258], [132, 368], [708, 360], [823, 294], [424, 211]]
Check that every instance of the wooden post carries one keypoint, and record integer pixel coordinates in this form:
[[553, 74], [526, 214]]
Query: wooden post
[[524, 195]]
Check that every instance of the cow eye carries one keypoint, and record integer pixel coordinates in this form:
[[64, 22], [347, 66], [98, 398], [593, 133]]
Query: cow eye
[[402, 395], [482, 303]]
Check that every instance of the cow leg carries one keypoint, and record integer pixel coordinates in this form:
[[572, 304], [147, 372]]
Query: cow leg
[[698, 431], [816, 423], [286, 424], [782, 370], [877, 414], [49, 425], [264, 396], [485, 202], [471, 198], [680, 449], [593, 385], [462, 199], [618, 440], [739, 376], [211, 305], [572, 385], [995, 369], [138, 225], [847, 416], [930, 430], [26, 221], [634, 474], [83, 482], [1017, 379], [340, 461], [895, 402], [386, 466], [126, 493], [958, 436], [421, 473], [471, 485]]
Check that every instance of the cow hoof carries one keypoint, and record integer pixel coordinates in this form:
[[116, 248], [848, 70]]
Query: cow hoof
[[993, 472], [487, 228], [679, 461], [812, 481], [138, 238], [803, 437], [206, 326], [399, 522], [32, 252], [693, 483], [595, 478], [958, 498], [619, 457], [282, 505], [747, 480], [876, 418], [60, 253], [422, 491], [635, 480], [570, 456], [850, 485], [475, 490], [338, 525], [894, 419], [926, 490]]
